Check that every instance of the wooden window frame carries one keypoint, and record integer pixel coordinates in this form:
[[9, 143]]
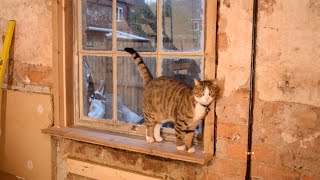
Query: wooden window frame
[[65, 85]]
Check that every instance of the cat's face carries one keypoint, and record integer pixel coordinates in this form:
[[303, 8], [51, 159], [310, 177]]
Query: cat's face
[[205, 91]]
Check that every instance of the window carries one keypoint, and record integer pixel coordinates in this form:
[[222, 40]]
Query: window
[[110, 87], [119, 14], [106, 88]]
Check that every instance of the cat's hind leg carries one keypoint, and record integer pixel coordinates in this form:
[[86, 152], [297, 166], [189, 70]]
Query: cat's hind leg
[[157, 129]]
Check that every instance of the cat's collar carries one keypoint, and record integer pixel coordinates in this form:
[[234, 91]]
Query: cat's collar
[[206, 106]]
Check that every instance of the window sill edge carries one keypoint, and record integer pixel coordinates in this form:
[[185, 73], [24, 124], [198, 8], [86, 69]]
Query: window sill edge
[[129, 143]]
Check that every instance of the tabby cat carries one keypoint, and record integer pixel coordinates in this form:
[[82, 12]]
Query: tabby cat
[[166, 99]]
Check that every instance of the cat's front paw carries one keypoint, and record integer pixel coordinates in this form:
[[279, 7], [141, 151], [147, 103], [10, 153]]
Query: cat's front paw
[[191, 150], [181, 148], [149, 139], [159, 139]]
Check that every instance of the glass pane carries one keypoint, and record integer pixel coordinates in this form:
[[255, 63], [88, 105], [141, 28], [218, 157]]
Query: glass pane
[[182, 69], [97, 25], [137, 25], [130, 87], [97, 78], [182, 25]]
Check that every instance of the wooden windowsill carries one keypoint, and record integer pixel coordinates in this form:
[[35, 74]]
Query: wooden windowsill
[[130, 143]]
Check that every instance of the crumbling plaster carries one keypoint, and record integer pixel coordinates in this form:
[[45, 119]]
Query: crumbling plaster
[[33, 33], [288, 58], [286, 111], [30, 66], [287, 63]]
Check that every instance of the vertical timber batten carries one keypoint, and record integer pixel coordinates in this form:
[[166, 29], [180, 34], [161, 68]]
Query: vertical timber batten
[[63, 62], [209, 70]]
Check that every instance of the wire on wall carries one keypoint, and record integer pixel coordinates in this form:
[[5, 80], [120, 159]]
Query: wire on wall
[[252, 79]]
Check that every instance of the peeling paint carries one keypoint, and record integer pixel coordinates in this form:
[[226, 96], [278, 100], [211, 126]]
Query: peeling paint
[[40, 109], [267, 6], [314, 5], [226, 3], [30, 165]]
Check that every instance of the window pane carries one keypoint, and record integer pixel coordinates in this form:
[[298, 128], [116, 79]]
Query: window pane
[[138, 29], [182, 69], [97, 78], [97, 25], [130, 87], [182, 25]]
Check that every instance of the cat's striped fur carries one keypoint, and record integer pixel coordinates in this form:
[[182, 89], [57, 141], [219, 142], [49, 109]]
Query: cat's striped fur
[[166, 99]]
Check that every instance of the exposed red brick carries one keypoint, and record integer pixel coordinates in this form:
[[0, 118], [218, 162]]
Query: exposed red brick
[[272, 173], [81, 149], [228, 167], [222, 23], [216, 176], [237, 151], [190, 173], [222, 41], [311, 177], [232, 132], [153, 165], [31, 74], [99, 153], [234, 109], [124, 157], [264, 154]]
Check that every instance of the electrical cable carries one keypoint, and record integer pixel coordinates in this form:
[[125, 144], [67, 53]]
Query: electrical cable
[[252, 79]]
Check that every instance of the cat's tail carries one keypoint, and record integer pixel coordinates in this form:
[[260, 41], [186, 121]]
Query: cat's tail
[[143, 69]]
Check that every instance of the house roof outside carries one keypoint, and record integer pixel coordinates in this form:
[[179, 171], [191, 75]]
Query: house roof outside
[[120, 34]]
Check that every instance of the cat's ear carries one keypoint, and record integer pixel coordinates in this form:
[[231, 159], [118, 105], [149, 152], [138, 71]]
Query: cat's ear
[[215, 82], [196, 82]]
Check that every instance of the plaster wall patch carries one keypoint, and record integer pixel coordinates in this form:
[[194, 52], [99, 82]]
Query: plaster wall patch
[[30, 165], [40, 109], [309, 139], [288, 138]]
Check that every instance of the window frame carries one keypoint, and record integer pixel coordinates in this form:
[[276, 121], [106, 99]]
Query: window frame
[[65, 59]]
